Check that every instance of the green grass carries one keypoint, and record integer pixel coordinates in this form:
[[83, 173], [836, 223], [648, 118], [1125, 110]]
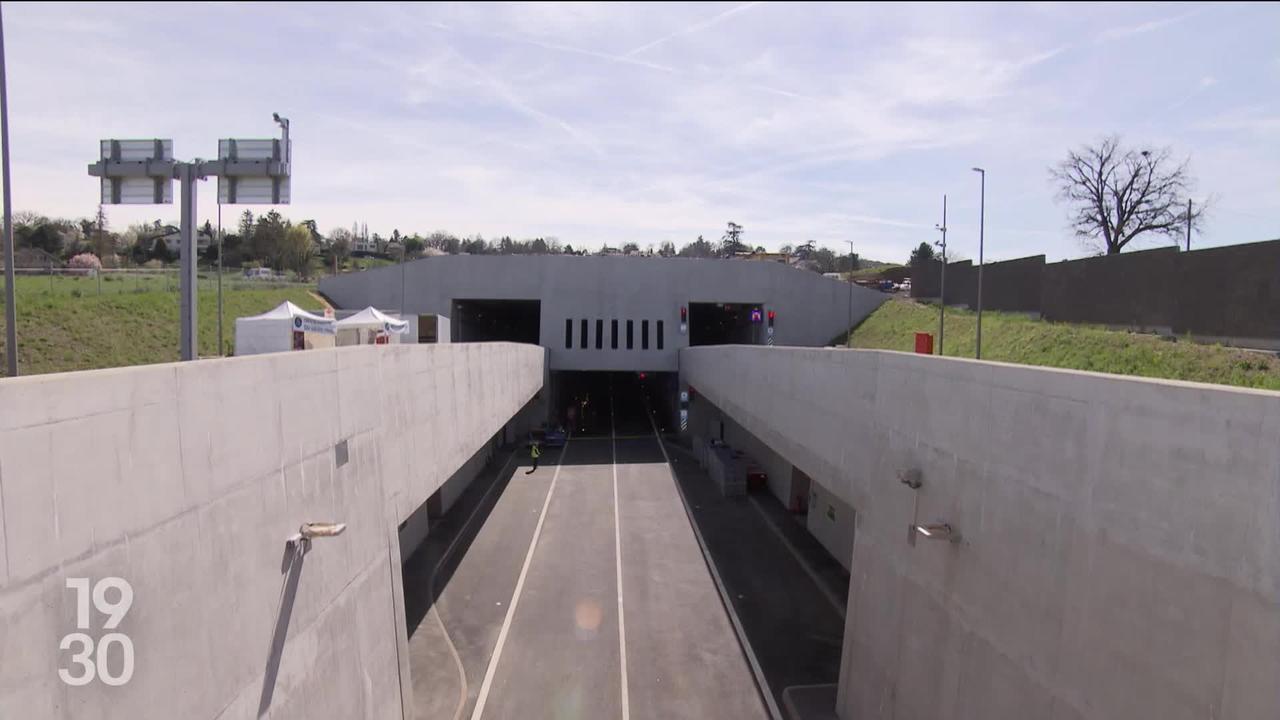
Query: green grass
[[1010, 337], [133, 322], [368, 263]]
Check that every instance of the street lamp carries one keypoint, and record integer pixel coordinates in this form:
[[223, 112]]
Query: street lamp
[[942, 290], [982, 220], [849, 334]]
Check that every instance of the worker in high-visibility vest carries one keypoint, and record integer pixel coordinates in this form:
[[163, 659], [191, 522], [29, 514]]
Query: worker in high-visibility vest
[[535, 452]]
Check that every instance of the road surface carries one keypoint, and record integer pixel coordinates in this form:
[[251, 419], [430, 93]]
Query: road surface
[[578, 591]]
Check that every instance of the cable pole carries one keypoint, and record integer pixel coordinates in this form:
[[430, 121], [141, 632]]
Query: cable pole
[[942, 291], [1188, 224]]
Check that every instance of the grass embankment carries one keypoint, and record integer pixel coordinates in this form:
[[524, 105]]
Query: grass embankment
[[875, 270], [71, 327], [1010, 337]]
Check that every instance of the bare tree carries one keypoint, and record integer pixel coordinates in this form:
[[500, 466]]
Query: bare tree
[[1119, 193]]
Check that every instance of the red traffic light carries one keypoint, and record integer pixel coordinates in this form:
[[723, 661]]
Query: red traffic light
[[642, 376], [684, 314], [771, 316]]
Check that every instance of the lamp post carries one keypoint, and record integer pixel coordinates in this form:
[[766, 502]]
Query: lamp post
[[982, 221], [849, 333], [942, 291]]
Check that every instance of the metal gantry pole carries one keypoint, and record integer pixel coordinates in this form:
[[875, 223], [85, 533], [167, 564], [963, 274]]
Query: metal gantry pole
[[188, 344], [10, 301], [221, 347], [982, 222]]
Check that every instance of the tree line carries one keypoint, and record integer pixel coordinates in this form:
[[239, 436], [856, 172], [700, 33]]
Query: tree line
[[272, 240]]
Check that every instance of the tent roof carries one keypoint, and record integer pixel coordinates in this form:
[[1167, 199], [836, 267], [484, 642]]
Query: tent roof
[[287, 311], [371, 317]]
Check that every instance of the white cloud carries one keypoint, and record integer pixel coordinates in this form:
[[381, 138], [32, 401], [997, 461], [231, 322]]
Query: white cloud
[[695, 27], [1119, 33], [651, 122]]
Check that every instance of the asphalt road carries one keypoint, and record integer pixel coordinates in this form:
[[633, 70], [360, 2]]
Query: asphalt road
[[578, 591]]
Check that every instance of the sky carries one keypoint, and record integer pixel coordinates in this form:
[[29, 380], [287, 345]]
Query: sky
[[653, 122]]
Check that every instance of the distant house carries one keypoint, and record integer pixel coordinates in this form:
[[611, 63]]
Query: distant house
[[363, 245], [172, 236], [764, 256]]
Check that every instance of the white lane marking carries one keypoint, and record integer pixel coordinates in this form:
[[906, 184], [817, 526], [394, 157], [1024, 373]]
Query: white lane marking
[[457, 662], [617, 545], [804, 564], [435, 598], [515, 595], [757, 672]]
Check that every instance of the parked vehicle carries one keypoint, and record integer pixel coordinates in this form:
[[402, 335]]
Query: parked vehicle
[[554, 437]]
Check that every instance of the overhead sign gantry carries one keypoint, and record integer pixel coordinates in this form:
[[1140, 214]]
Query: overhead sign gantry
[[141, 172]]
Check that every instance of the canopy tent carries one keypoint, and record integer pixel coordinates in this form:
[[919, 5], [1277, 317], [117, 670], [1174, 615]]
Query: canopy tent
[[274, 331], [368, 326]]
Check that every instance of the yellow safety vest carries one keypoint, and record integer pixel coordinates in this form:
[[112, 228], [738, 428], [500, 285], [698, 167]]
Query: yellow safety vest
[[534, 451]]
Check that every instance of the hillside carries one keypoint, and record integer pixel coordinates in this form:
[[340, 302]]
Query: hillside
[[68, 326], [1010, 337]]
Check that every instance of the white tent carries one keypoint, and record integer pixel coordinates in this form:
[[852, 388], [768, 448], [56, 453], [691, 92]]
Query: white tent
[[273, 331], [367, 325]]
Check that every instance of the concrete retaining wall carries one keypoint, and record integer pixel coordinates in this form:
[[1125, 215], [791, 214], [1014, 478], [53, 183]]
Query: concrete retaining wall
[[1121, 536], [185, 480]]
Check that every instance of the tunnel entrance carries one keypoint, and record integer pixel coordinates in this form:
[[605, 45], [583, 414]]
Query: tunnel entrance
[[497, 320], [724, 323], [596, 403]]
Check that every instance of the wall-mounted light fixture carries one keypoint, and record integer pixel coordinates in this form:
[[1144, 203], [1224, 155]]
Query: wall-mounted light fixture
[[311, 530], [937, 531]]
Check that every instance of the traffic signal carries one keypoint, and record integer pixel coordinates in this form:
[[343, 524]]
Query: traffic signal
[[771, 316]]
